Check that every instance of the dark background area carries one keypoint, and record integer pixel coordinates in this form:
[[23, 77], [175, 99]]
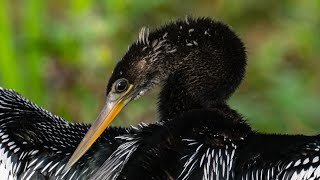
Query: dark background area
[[59, 54]]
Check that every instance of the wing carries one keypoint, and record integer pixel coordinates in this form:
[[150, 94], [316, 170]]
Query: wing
[[218, 150], [35, 144], [259, 158], [280, 157], [304, 163], [302, 169]]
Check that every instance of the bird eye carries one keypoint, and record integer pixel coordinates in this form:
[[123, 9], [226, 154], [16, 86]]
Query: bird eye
[[121, 85]]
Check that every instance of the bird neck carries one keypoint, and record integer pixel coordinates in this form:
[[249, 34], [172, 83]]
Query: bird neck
[[174, 100], [198, 80]]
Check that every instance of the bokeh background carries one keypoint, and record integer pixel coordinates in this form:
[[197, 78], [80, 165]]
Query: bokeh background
[[59, 54]]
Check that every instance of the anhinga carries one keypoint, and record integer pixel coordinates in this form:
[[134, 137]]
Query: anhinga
[[199, 63]]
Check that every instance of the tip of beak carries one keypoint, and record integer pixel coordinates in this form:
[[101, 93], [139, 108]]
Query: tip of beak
[[67, 167], [71, 162]]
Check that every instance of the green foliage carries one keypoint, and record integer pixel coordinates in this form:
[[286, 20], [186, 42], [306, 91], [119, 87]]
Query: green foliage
[[8, 63], [60, 55]]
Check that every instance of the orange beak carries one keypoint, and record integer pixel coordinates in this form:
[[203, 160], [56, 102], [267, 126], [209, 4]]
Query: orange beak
[[106, 116]]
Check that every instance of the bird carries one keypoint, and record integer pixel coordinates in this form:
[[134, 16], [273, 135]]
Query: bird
[[198, 64]]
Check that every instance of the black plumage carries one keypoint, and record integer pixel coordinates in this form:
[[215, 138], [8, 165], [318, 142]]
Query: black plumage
[[199, 63]]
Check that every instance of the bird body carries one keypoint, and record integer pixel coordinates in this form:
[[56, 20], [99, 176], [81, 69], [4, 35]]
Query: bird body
[[219, 146], [198, 63]]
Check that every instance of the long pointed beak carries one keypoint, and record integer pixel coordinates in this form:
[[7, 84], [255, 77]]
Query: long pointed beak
[[106, 116]]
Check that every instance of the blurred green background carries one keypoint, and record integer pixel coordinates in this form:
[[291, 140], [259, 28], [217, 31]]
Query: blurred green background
[[59, 54]]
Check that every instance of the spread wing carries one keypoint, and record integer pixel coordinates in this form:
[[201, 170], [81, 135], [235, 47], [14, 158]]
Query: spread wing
[[35, 144], [280, 157]]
